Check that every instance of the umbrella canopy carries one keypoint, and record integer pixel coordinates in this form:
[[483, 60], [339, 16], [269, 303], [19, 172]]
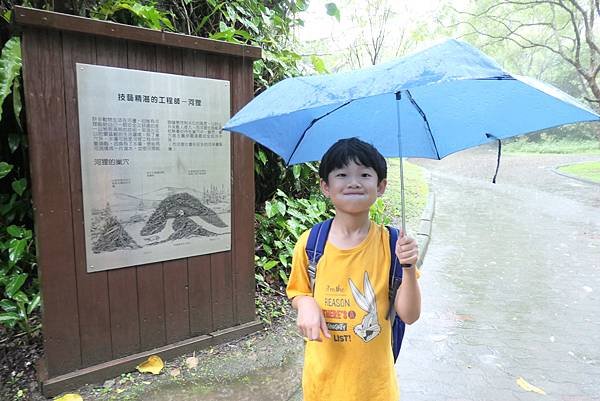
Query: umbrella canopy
[[430, 104]]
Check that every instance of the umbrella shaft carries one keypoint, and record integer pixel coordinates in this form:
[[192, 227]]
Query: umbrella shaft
[[398, 99], [402, 196]]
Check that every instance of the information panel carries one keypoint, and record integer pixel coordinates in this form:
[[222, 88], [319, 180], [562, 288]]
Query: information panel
[[155, 166]]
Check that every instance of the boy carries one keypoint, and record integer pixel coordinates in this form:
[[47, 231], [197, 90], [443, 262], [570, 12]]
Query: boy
[[348, 354]]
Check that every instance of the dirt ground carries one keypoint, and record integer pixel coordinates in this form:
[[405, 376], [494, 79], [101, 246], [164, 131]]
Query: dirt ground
[[18, 357]]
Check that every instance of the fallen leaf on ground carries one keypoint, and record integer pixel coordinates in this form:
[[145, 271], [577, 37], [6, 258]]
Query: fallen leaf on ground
[[191, 362], [529, 387], [151, 365], [463, 317], [438, 338], [69, 397], [175, 372]]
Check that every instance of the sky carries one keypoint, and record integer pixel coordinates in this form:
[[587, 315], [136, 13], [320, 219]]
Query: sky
[[319, 25]]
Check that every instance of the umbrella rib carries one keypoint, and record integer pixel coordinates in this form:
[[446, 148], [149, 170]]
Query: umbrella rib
[[424, 117], [498, 78], [310, 126]]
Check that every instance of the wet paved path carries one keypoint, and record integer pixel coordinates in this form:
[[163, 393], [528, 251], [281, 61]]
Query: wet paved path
[[511, 284]]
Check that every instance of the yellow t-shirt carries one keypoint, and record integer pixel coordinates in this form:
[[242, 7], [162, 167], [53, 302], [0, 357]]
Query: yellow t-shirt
[[351, 288]]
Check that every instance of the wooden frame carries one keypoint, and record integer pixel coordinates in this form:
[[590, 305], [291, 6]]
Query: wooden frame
[[97, 325]]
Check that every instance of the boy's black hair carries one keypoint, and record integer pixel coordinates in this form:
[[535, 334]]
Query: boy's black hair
[[352, 149]]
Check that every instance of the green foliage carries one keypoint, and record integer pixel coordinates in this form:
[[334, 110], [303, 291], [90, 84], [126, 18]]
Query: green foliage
[[132, 12], [21, 294], [378, 214], [278, 228], [10, 68], [333, 10], [318, 64], [271, 174], [553, 144], [588, 170], [19, 287], [268, 305]]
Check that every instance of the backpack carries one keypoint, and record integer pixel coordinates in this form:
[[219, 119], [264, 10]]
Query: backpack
[[315, 247]]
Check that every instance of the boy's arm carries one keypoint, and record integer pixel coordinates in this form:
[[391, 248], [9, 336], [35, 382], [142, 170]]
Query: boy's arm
[[310, 321], [408, 297]]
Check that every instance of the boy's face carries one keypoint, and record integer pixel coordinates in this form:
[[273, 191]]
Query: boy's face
[[353, 188]]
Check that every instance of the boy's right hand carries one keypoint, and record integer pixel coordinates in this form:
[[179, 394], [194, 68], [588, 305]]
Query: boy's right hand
[[311, 321]]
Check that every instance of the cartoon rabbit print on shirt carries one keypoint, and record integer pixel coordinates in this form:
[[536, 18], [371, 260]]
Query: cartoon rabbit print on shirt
[[369, 328]]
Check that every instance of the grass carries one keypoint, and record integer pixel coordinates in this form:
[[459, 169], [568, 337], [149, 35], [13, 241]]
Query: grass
[[415, 190], [549, 145], [588, 170]]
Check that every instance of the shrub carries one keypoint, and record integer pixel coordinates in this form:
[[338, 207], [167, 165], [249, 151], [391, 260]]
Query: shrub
[[278, 228], [19, 286]]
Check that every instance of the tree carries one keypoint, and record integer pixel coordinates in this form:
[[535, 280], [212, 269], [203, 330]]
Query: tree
[[547, 31], [374, 31]]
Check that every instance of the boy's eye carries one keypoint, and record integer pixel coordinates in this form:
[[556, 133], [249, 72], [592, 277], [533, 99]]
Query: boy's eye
[[366, 174], [340, 175]]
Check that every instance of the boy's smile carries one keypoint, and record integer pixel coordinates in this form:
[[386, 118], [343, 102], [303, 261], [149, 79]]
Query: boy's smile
[[353, 188]]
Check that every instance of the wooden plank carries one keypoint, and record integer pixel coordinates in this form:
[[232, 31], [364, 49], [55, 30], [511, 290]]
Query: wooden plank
[[242, 87], [49, 155], [92, 288], [152, 305], [177, 313], [217, 67], [175, 272], [194, 63], [199, 274], [101, 372], [221, 274], [169, 60], [124, 313], [151, 295], [122, 283], [221, 288], [51, 20]]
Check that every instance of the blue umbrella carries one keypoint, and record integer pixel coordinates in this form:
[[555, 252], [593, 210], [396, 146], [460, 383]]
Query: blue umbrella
[[441, 100]]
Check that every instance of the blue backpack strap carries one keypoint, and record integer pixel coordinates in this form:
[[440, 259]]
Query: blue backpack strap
[[315, 246], [395, 270], [398, 326]]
